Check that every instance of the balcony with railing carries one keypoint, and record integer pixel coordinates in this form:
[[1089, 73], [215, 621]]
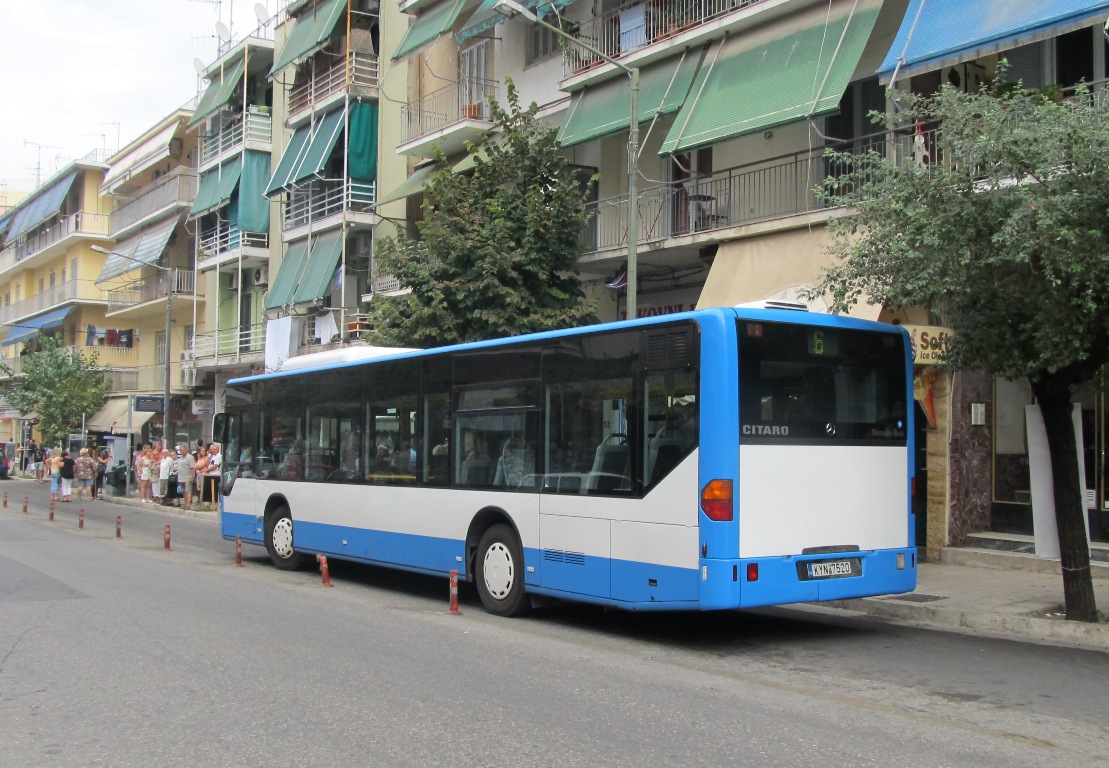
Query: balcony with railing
[[626, 30], [177, 282], [448, 118], [356, 74], [49, 239], [254, 129], [226, 345], [69, 291], [325, 198], [224, 242], [755, 192], [119, 365], [175, 189]]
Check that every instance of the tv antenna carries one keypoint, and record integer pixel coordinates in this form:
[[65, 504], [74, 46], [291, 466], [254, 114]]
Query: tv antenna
[[38, 161]]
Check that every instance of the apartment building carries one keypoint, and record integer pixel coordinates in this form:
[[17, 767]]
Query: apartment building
[[233, 126], [738, 101], [48, 272], [149, 285], [290, 128]]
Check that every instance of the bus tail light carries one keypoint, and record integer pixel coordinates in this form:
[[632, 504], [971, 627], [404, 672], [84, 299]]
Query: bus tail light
[[716, 500], [752, 571]]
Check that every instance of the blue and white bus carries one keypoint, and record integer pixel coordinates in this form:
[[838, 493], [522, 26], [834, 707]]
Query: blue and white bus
[[723, 458]]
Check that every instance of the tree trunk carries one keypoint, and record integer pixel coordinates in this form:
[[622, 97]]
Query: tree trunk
[[1070, 507]]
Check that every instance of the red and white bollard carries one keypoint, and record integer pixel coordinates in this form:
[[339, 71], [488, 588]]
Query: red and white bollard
[[119, 526], [81, 519], [5, 499], [454, 594], [24, 505], [238, 551], [51, 511], [325, 572], [165, 540]]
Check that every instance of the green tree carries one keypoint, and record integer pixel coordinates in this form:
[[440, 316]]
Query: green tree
[[59, 385], [999, 227], [498, 248]]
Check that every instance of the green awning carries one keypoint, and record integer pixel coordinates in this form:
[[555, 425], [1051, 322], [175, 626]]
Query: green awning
[[326, 132], [774, 75], [487, 16], [413, 184], [282, 286], [216, 187], [310, 30], [254, 206], [428, 26], [326, 251], [605, 109], [218, 92], [290, 159], [138, 250]]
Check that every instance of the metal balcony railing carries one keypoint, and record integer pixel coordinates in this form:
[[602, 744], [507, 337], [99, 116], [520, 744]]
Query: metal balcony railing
[[772, 188], [51, 297], [327, 197], [61, 227], [466, 99], [255, 127], [225, 238], [620, 32], [176, 281], [357, 73], [225, 344], [176, 188]]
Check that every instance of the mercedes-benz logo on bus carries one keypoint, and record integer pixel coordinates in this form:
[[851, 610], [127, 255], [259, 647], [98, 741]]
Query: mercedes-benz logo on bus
[[830, 429]]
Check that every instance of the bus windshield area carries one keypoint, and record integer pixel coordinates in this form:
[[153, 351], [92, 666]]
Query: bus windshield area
[[800, 383]]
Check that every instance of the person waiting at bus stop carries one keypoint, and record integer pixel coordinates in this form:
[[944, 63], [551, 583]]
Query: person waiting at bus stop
[[211, 476]]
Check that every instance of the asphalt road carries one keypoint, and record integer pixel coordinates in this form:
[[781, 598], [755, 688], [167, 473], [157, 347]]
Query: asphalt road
[[116, 653]]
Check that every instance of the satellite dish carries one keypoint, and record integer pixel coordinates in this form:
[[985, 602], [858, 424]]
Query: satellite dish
[[261, 13], [223, 32], [198, 65]]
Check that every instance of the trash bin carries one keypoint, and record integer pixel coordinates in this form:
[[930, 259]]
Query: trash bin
[[116, 478]]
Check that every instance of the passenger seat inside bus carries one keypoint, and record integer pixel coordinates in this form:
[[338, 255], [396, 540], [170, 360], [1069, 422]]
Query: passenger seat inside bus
[[610, 465], [517, 461], [663, 454]]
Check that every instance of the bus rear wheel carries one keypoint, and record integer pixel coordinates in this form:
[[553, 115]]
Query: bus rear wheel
[[500, 573], [279, 540]]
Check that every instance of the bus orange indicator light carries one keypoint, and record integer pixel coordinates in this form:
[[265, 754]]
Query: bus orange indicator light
[[716, 500]]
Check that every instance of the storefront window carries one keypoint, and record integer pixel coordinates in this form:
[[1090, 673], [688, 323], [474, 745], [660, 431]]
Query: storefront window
[[1011, 477]]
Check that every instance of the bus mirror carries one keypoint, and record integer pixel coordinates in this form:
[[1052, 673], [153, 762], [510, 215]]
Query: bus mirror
[[219, 428]]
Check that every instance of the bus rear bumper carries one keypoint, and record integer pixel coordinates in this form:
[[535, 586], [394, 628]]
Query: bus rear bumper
[[748, 583]]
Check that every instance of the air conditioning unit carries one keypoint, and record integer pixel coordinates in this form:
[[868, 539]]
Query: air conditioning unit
[[233, 280], [261, 276]]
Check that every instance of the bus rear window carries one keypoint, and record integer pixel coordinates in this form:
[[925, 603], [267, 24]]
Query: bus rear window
[[820, 385]]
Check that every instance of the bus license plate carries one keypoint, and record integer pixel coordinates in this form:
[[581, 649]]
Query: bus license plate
[[829, 569]]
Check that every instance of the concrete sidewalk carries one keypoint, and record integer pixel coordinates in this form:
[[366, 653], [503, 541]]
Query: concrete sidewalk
[[975, 590], [989, 592]]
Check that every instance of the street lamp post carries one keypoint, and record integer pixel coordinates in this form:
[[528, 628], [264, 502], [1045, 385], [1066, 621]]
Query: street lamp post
[[508, 8], [167, 431]]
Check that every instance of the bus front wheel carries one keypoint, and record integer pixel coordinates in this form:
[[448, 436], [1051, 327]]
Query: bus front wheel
[[279, 540], [500, 572]]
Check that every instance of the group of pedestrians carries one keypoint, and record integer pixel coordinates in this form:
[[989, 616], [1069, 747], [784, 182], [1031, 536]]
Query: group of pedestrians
[[86, 472], [175, 478]]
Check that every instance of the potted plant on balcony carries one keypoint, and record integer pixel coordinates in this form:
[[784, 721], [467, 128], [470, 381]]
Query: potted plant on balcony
[[471, 111]]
